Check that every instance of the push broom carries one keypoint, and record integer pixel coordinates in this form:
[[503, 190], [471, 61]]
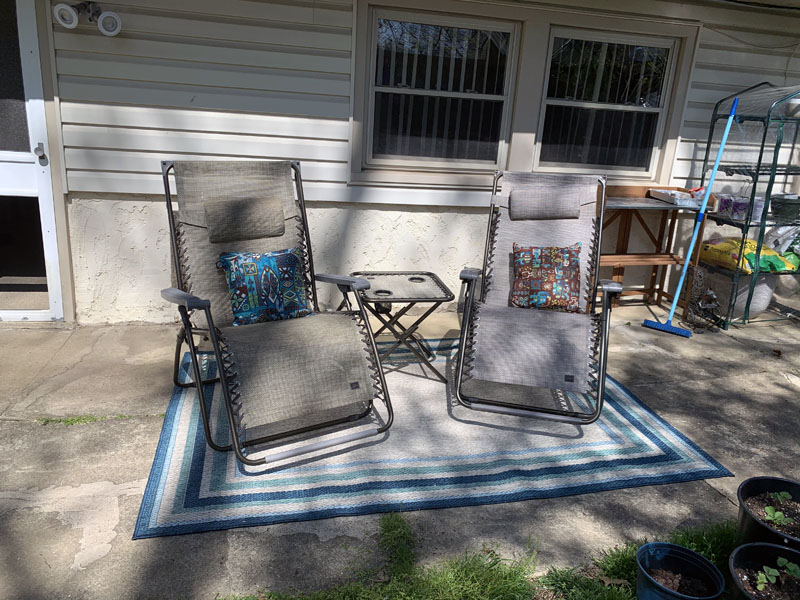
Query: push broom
[[668, 326]]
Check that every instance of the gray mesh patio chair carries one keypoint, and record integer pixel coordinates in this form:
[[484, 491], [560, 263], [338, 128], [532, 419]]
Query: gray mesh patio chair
[[530, 362], [278, 378]]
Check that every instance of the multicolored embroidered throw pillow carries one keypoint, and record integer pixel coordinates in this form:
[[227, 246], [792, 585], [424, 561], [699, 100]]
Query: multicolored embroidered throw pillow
[[547, 277], [265, 287]]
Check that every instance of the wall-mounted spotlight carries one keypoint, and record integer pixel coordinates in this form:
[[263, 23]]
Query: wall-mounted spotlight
[[108, 22], [65, 15]]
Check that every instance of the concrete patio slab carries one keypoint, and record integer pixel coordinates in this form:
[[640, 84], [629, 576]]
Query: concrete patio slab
[[69, 495]]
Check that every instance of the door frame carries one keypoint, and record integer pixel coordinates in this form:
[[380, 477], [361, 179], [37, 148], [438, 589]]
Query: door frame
[[43, 190]]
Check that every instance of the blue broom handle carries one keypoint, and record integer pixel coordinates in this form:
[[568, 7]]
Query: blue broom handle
[[702, 211]]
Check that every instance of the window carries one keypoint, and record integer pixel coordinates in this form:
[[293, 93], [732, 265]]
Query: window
[[442, 99], [439, 91], [605, 102]]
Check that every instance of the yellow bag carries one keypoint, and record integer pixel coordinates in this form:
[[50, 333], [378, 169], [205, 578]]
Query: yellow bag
[[725, 253]]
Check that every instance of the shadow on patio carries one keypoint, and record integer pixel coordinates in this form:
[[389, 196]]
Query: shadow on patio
[[70, 495]]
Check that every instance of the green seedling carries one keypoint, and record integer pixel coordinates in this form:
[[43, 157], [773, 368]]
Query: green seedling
[[777, 516], [789, 568], [767, 575], [780, 497]]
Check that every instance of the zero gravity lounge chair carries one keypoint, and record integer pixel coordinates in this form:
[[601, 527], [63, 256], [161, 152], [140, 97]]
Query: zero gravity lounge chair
[[528, 361], [278, 378]]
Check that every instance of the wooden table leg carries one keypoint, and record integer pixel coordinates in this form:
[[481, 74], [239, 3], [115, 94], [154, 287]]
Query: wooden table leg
[[662, 227], [623, 236], [673, 223]]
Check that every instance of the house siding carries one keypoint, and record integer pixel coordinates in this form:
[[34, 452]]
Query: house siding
[[250, 79], [724, 66], [234, 79]]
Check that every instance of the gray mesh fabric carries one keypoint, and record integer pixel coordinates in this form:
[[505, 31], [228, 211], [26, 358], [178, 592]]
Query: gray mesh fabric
[[244, 217], [298, 373], [546, 203], [523, 396], [193, 181], [532, 347], [403, 285], [515, 349], [551, 232]]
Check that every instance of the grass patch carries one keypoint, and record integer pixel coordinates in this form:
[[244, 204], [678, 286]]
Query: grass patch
[[612, 575], [484, 575], [715, 541], [619, 562], [573, 584], [476, 576], [397, 541], [79, 420]]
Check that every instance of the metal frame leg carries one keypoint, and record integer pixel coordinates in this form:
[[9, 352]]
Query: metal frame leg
[[176, 367], [198, 376], [401, 337], [394, 321]]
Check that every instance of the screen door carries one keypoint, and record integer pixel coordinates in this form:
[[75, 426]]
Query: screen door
[[30, 288]]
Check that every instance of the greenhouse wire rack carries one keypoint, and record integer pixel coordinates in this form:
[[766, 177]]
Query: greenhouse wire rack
[[777, 112]]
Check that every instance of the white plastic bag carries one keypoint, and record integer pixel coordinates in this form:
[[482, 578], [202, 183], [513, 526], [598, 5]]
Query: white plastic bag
[[780, 238]]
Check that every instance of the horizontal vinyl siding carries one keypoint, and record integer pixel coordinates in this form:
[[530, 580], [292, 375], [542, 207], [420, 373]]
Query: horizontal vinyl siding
[[724, 66], [250, 79], [206, 80]]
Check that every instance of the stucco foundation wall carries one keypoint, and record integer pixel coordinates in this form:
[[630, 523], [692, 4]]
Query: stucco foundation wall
[[120, 258], [121, 253], [349, 238]]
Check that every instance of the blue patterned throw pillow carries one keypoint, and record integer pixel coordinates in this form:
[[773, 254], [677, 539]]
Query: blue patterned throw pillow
[[265, 287]]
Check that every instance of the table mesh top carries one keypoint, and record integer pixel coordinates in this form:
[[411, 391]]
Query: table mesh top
[[403, 286], [613, 203]]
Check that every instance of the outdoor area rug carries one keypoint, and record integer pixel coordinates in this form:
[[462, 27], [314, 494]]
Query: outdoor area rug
[[437, 454]]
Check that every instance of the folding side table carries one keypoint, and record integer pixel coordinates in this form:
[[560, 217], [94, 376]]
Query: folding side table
[[410, 288]]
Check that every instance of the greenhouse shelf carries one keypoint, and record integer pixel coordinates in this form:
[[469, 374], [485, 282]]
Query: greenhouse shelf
[[764, 144]]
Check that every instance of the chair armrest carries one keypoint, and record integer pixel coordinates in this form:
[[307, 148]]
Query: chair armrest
[[186, 299], [469, 274], [610, 287], [354, 283]]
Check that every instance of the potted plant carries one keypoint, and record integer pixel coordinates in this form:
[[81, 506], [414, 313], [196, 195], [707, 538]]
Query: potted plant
[[668, 571], [769, 511], [765, 572]]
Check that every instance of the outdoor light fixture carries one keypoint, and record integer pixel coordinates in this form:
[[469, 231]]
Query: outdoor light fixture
[[108, 22], [65, 15]]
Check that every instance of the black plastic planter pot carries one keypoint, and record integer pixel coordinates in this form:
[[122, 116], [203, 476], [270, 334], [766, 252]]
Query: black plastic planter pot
[[670, 557], [755, 556], [750, 528]]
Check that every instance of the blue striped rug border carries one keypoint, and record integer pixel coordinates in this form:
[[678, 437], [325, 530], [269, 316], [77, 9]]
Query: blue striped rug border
[[142, 530]]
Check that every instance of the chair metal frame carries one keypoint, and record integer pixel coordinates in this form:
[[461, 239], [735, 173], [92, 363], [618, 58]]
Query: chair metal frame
[[190, 333], [474, 290]]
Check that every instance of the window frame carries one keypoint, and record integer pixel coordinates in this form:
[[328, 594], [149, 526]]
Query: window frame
[[452, 186], [667, 103], [433, 164]]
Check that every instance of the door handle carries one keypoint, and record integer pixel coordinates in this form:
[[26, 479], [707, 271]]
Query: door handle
[[39, 150]]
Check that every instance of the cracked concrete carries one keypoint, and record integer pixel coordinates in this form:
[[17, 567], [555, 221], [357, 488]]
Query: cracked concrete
[[69, 495], [92, 507]]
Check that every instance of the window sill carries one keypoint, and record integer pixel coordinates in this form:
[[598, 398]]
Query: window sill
[[423, 178], [610, 172], [470, 180]]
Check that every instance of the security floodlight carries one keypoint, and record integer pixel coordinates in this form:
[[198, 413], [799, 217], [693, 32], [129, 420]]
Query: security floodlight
[[65, 15], [109, 23]]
